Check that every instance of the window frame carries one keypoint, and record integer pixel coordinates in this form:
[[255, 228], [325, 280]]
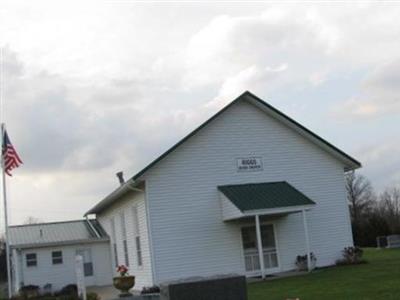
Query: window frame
[[137, 237], [113, 241], [57, 260], [31, 262], [124, 238]]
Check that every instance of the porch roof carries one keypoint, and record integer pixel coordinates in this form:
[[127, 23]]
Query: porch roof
[[266, 195]]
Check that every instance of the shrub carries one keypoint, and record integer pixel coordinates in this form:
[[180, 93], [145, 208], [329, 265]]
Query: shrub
[[29, 291], [92, 296], [70, 289], [29, 288], [47, 289], [301, 261], [69, 292], [64, 297], [351, 256], [150, 290]]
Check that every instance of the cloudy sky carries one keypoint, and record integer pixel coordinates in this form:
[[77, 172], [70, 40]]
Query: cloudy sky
[[94, 88]]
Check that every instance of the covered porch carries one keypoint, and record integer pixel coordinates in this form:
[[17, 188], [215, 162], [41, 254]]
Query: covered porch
[[254, 207]]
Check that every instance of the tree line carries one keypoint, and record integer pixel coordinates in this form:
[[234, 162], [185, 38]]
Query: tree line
[[3, 262], [372, 214]]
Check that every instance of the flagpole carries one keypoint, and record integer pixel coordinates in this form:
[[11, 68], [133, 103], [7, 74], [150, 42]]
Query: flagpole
[[8, 254]]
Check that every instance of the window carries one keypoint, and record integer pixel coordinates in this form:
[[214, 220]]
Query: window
[[87, 261], [124, 242], [138, 251], [250, 247], [57, 257], [31, 260], [136, 231], [249, 238], [114, 242]]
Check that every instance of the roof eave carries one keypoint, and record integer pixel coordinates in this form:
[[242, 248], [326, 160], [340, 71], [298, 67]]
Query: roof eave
[[350, 163], [60, 243], [129, 185]]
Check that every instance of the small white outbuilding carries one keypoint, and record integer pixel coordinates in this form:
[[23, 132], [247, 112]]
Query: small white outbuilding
[[44, 254]]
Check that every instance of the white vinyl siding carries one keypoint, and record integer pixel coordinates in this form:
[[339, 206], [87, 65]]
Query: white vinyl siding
[[125, 204], [188, 234]]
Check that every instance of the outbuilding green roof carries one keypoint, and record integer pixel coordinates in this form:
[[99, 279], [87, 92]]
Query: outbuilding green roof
[[265, 195]]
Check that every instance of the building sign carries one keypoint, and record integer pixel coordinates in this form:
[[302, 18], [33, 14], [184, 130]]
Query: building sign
[[247, 164]]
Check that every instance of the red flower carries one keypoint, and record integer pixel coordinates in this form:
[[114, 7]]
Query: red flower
[[122, 270]]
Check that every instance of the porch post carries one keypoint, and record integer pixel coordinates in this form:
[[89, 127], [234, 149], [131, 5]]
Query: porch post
[[259, 246], [307, 240]]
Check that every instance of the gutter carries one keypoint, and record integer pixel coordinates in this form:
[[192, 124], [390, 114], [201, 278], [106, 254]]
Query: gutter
[[60, 243]]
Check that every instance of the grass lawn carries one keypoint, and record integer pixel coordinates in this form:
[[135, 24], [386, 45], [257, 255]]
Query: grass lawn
[[2, 286], [378, 279]]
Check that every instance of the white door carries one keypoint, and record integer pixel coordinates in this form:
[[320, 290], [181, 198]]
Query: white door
[[251, 257]]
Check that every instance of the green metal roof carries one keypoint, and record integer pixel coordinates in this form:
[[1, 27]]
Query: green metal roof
[[266, 195]]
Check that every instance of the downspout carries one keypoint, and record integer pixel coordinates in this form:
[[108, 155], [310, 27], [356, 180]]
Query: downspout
[[149, 235], [92, 227], [129, 184]]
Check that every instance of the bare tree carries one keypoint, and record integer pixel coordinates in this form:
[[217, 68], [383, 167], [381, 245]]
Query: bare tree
[[2, 242], [3, 263], [389, 205], [32, 220], [360, 194]]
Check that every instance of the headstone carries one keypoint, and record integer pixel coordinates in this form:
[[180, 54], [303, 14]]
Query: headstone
[[393, 241], [227, 287], [142, 297], [381, 241]]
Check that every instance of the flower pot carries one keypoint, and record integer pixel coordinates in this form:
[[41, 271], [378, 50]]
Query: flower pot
[[124, 284], [302, 265]]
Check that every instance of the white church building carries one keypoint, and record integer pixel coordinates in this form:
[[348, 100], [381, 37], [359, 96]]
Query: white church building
[[245, 192]]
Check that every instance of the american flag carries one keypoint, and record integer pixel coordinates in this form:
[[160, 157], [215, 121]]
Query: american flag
[[10, 156]]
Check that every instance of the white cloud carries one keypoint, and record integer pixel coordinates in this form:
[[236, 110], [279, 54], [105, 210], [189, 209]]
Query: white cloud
[[379, 94], [252, 78], [381, 162], [275, 37], [95, 88]]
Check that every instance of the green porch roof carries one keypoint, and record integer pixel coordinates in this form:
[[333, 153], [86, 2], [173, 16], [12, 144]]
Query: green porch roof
[[266, 195]]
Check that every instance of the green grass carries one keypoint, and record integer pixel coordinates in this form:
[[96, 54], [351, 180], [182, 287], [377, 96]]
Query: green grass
[[378, 279]]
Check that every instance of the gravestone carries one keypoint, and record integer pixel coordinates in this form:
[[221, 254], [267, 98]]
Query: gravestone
[[141, 297], [393, 241], [231, 287]]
